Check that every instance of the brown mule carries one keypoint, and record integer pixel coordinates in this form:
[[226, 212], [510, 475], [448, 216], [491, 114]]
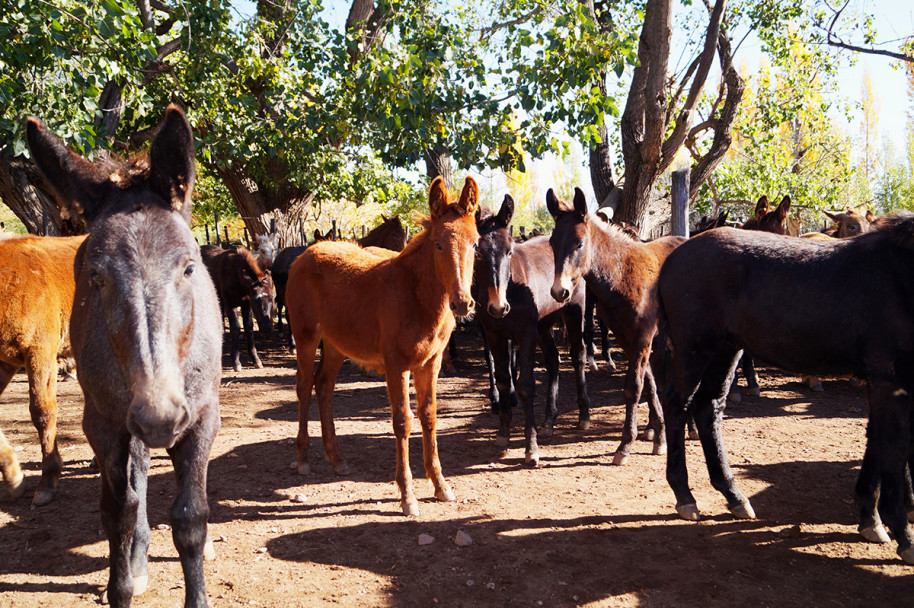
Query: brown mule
[[389, 312]]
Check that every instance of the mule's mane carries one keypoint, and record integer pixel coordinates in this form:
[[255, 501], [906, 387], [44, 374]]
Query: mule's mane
[[611, 229], [251, 261], [129, 173]]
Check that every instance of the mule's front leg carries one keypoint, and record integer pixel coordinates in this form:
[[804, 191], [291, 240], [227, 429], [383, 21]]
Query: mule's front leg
[[119, 510], [526, 394], [248, 319], [235, 333], [426, 379], [655, 412], [500, 349], [573, 322], [190, 510], [398, 392], [631, 390]]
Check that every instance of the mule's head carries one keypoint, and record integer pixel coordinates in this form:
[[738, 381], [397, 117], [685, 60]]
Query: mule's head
[[851, 223], [492, 270], [139, 273], [769, 221], [453, 234], [257, 285], [570, 242], [266, 250]]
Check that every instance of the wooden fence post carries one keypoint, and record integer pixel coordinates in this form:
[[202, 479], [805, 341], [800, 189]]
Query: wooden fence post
[[216, 226]]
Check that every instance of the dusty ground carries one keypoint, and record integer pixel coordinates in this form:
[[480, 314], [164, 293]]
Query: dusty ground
[[577, 531]]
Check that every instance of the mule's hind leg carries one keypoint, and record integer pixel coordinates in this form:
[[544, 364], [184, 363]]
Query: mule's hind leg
[[500, 349], [402, 415], [551, 361], [304, 383], [574, 323], [425, 379], [9, 465], [248, 320], [331, 362], [882, 475], [632, 387], [708, 407], [41, 368], [190, 510], [656, 425]]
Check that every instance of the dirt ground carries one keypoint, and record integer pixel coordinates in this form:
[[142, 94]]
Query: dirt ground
[[575, 532]]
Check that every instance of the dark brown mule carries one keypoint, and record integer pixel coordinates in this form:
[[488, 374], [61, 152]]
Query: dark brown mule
[[146, 337], [767, 220], [241, 283], [512, 283], [389, 234], [622, 274], [780, 299], [36, 297], [389, 312]]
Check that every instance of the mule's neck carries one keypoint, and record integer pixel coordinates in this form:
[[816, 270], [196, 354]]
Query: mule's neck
[[418, 262], [609, 246]]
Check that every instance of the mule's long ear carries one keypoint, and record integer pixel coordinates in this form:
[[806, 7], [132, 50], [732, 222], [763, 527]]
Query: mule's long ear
[[783, 208], [78, 185], [469, 197], [831, 216], [437, 197], [507, 211], [552, 204], [171, 161], [761, 208], [580, 203], [870, 216]]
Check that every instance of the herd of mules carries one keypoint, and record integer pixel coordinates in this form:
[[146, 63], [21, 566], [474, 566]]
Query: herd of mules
[[139, 306]]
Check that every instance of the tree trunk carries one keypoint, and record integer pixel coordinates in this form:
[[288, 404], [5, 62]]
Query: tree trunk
[[24, 191], [438, 162], [258, 204]]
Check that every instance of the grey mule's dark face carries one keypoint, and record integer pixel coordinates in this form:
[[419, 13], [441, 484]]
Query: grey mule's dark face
[[139, 268], [492, 269]]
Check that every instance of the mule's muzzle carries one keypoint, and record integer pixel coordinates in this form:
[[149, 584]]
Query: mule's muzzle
[[560, 293], [157, 425], [498, 312], [462, 308]]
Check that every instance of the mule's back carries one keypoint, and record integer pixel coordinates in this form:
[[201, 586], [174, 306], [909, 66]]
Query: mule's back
[[804, 305]]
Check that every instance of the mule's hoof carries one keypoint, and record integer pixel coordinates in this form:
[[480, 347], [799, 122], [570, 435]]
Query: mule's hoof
[[17, 486], [140, 584], [907, 556], [237, 367], [735, 398], [620, 458], [742, 510], [659, 449], [874, 534], [693, 435], [304, 469], [342, 469], [754, 391], [445, 494], [546, 432], [592, 364], [43, 496], [688, 512], [410, 507], [258, 364], [501, 441], [532, 458], [209, 551], [815, 385], [647, 434], [583, 425], [103, 598]]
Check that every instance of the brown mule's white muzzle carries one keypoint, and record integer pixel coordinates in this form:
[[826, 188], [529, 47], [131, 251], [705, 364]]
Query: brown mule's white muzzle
[[498, 306], [561, 289], [462, 306]]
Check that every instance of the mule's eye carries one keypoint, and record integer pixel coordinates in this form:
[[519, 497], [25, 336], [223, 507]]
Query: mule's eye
[[96, 278], [189, 270], [437, 245]]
